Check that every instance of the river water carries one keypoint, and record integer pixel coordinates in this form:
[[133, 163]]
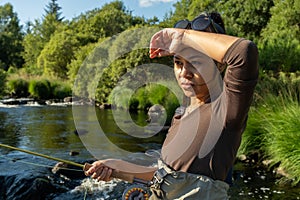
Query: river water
[[50, 130]]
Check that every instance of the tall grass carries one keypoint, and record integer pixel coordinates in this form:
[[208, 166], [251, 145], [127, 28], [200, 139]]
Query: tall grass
[[252, 140], [20, 84], [282, 138], [273, 127]]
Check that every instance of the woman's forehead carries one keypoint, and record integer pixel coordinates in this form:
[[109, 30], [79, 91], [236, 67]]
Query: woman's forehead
[[196, 60], [190, 54]]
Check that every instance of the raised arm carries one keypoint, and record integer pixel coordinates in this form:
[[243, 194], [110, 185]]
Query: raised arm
[[171, 41], [212, 44]]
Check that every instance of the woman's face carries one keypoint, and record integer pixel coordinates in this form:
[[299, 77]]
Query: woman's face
[[189, 79]]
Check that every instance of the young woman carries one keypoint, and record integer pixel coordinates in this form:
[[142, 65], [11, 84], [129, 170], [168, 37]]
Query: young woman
[[202, 143]]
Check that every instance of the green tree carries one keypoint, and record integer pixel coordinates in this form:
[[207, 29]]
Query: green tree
[[33, 45], [111, 19], [94, 30], [51, 21], [80, 55], [124, 55], [40, 34], [280, 43], [245, 18], [35, 41], [54, 9], [123, 66], [242, 18], [181, 11], [91, 70], [199, 6], [10, 38], [91, 28], [57, 54]]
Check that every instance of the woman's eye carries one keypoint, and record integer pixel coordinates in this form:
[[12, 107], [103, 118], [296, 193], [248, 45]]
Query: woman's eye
[[179, 63]]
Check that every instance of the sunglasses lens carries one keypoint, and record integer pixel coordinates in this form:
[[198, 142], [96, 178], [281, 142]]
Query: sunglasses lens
[[219, 28], [182, 24], [200, 23]]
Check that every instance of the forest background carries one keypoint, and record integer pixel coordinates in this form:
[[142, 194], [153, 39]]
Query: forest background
[[41, 60]]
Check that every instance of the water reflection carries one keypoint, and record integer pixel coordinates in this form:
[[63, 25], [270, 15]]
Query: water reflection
[[100, 134], [133, 140], [51, 128], [9, 130], [48, 130], [254, 182]]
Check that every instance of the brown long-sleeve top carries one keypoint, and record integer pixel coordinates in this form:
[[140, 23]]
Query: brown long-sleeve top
[[206, 141]]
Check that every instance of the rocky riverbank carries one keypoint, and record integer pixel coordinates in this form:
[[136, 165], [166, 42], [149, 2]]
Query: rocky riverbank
[[32, 101], [27, 181]]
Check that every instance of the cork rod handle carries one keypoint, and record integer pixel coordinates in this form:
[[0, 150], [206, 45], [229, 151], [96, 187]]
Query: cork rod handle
[[115, 173]]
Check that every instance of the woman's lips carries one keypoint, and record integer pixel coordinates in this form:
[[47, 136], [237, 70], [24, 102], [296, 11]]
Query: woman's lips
[[186, 85]]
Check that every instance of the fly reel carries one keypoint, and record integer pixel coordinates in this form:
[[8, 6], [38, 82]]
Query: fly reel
[[135, 192]]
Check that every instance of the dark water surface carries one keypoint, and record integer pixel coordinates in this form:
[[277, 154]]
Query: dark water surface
[[51, 130]]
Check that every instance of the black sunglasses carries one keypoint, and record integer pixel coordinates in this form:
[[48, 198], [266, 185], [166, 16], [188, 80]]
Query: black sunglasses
[[201, 23]]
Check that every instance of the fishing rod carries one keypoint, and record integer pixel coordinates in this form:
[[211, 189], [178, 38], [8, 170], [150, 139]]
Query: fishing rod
[[84, 167], [130, 193], [42, 155]]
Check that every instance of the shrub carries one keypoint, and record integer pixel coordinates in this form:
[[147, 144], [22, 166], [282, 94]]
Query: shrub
[[60, 90], [2, 81], [40, 89], [133, 104], [144, 97], [277, 84], [153, 94], [18, 88]]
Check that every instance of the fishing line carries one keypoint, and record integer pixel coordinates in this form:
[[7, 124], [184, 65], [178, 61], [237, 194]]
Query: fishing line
[[36, 164], [47, 166]]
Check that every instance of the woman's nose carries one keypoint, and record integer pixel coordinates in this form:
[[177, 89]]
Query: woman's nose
[[185, 72]]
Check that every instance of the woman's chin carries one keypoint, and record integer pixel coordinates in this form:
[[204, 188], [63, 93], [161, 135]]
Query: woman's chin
[[189, 93]]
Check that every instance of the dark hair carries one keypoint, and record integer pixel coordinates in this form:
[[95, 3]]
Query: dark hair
[[216, 17]]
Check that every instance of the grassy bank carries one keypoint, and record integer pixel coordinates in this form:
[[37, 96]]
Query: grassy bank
[[38, 87], [273, 129]]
